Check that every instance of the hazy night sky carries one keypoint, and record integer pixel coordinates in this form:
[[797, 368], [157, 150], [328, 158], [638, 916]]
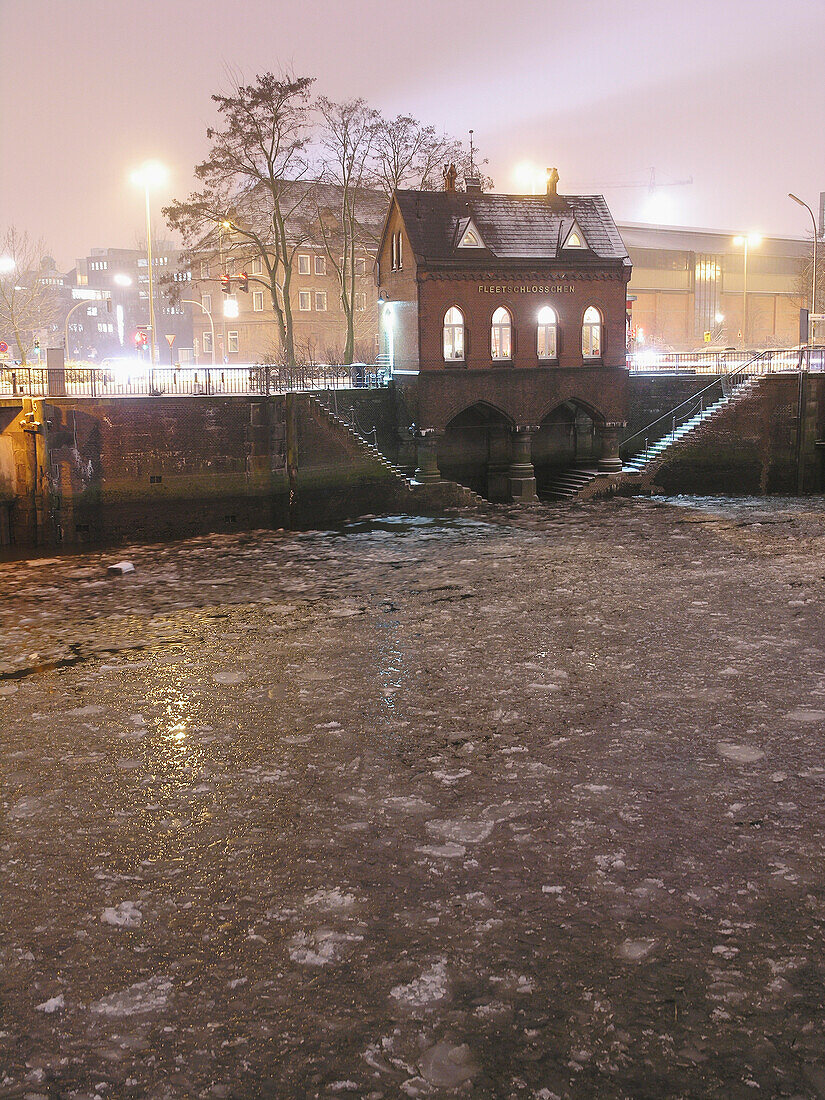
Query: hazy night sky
[[728, 92]]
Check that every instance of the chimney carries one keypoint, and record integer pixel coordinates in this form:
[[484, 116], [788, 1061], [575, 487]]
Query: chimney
[[450, 174], [552, 183], [472, 185]]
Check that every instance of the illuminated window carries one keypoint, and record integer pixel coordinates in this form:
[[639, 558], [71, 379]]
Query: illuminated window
[[454, 334], [321, 300], [575, 238], [232, 341], [400, 251], [501, 333], [304, 300], [470, 236], [303, 265], [320, 265], [592, 333], [547, 334], [257, 301], [397, 252]]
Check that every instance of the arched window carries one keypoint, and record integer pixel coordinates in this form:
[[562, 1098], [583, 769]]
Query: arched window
[[592, 334], [454, 334], [501, 334], [547, 334]]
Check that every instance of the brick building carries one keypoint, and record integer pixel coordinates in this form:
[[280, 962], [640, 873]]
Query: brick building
[[503, 317]]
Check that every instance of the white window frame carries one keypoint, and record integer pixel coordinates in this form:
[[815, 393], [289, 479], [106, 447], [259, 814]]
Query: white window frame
[[257, 266], [453, 336], [204, 269], [360, 266], [320, 296], [257, 301], [206, 302], [320, 265], [304, 296], [501, 335], [547, 335], [592, 334], [207, 343], [303, 264], [360, 301], [232, 342]]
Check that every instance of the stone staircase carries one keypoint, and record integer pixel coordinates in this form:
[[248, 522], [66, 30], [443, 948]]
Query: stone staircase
[[568, 483], [443, 493], [650, 459]]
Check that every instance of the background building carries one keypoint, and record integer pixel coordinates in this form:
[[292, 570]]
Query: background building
[[689, 282]]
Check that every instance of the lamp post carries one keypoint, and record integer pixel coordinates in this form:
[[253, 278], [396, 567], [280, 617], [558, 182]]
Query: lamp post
[[191, 302], [149, 174], [752, 240], [813, 273]]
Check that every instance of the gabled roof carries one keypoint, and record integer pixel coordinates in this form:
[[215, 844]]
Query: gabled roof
[[513, 227]]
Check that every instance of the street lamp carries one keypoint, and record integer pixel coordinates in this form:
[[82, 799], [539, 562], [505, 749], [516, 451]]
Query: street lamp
[[749, 240], [7, 265], [813, 273], [150, 174]]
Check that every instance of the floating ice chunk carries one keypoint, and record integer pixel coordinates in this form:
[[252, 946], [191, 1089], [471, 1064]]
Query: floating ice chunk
[[125, 915], [635, 950], [85, 712], [52, 1005], [8, 689], [148, 996], [742, 754], [447, 1066], [552, 889], [236, 677], [462, 831], [806, 714], [26, 807], [445, 851], [430, 988], [121, 567], [322, 947], [331, 900]]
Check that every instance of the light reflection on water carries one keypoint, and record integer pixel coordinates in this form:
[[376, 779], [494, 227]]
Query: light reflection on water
[[749, 507]]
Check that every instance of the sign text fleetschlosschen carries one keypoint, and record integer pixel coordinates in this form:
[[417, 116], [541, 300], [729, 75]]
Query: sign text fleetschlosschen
[[527, 288]]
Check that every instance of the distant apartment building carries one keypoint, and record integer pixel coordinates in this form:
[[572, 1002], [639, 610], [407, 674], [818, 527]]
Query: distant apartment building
[[245, 324], [687, 288], [115, 284]]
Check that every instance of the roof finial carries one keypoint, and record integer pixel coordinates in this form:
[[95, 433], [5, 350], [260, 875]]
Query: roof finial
[[472, 165], [552, 183]]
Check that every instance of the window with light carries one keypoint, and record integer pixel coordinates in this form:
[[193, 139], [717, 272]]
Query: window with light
[[454, 334], [501, 333], [547, 334], [592, 334]]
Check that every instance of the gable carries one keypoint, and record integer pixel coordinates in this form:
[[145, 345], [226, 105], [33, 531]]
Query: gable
[[575, 237], [468, 235]]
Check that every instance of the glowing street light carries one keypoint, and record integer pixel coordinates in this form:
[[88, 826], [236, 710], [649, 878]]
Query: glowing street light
[[745, 241], [150, 174], [122, 280], [529, 177], [7, 265], [813, 274]]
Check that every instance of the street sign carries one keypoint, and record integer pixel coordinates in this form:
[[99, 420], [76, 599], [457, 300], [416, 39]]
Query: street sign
[[816, 316], [170, 338], [4, 347], [707, 337]]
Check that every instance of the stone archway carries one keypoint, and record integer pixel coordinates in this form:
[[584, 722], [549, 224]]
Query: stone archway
[[475, 450], [569, 435]]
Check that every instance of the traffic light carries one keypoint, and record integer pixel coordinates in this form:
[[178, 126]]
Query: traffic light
[[226, 284], [243, 282], [37, 345], [141, 338]]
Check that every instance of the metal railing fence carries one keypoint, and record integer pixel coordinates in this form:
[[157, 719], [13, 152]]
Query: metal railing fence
[[81, 380], [771, 360]]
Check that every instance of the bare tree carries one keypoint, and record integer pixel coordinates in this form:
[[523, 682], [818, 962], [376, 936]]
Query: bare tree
[[29, 308], [409, 155], [345, 143], [255, 186]]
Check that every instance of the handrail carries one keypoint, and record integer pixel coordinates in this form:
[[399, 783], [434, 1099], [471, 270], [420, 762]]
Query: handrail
[[717, 381]]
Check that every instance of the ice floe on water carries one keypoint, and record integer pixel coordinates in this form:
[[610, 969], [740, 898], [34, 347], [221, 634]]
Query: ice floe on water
[[52, 1005], [447, 1065], [124, 915], [741, 754], [429, 989], [331, 900], [461, 831], [322, 947], [443, 851], [636, 950], [148, 996]]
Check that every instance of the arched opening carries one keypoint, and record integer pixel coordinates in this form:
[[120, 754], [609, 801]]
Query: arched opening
[[453, 335], [547, 334], [592, 337], [501, 335], [567, 436], [475, 451]]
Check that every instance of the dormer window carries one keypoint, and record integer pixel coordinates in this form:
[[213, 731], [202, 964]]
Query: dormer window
[[575, 238], [468, 235]]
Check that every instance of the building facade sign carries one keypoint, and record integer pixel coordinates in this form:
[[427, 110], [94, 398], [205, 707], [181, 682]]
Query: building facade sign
[[527, 288]]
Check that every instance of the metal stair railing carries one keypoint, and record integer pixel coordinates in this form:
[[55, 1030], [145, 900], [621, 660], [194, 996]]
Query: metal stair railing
[[692, 406]]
